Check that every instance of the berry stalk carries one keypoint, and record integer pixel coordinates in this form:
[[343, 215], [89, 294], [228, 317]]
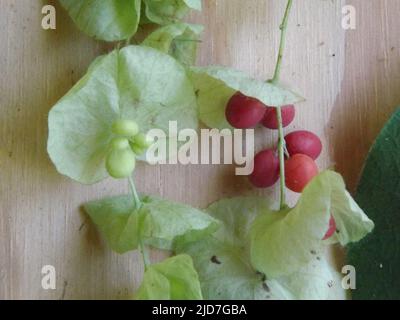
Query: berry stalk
[[275, 79]]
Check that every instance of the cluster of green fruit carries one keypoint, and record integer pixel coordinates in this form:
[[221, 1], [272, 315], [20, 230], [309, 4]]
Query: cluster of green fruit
[[127, 144]]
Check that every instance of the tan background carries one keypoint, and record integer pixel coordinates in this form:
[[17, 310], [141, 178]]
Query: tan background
[[351, 81]]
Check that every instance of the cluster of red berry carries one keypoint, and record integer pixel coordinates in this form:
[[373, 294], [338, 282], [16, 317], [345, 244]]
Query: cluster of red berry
[[302, 147]]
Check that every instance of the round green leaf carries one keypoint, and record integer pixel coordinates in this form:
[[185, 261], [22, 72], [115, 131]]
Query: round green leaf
[[135, 83]]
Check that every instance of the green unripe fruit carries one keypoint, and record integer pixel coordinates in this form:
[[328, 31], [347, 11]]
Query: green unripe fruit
[[120, 163], [126, 128], [119, 143], [138, 150], [143, 140]]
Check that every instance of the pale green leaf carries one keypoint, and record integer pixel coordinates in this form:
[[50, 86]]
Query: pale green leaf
[[155, 286], [117, 220], [172, 279], [165, 224], [315, 281], [289, 237], [224, 270], [160, 223], [109, 20], [180, 40], [215, 85], [169, 11], [237, 215], [136, 83], [223, 263]]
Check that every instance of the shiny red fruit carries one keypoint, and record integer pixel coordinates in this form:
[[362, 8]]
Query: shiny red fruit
[[299, 171], [266, 169], [270, 120], [244, 112], [331, 230], [304, 142]]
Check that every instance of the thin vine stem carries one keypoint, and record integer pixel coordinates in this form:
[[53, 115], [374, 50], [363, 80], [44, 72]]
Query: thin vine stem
[[283, 28], [138, 205], [275, 79], [136, 198]]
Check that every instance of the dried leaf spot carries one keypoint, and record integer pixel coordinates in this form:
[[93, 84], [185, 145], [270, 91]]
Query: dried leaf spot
[[215, 260], [266, 288]]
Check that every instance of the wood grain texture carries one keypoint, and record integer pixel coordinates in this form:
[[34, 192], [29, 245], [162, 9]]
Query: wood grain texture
[[351, 81]]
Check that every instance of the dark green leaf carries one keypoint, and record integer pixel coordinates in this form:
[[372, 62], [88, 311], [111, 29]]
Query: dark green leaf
[[377, 257]]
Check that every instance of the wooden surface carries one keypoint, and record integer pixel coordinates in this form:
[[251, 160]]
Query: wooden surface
[[351, 81]]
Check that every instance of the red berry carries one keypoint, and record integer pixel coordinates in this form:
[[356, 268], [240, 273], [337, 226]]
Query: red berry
[[304, 142], [270, 120], [266, 169], [299, 171], [244, 112], [331, 230]]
